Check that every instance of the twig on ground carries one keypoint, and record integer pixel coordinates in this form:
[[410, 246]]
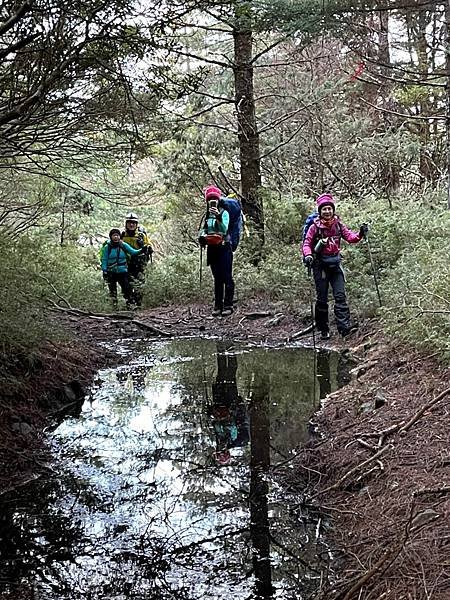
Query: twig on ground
[[350, 473], [422, 410], [151, 328], [298, 334], [445, 489]]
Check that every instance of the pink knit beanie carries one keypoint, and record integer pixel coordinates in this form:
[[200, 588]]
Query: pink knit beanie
[[325, 199], [212, 192]]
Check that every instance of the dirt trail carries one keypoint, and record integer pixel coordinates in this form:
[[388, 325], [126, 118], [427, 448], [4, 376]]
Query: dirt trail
[[379, 469]]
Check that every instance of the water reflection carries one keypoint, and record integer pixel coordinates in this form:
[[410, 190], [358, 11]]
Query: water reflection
[[163, 488], [259, 487], [228, 410]]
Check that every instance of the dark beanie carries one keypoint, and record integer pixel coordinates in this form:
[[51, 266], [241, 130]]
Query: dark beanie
[[114, 230]]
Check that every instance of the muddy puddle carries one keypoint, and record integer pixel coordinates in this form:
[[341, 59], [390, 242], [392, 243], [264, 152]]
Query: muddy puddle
[[162, 485]]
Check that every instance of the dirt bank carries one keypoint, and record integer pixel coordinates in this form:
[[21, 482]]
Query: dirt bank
[[381, 471]]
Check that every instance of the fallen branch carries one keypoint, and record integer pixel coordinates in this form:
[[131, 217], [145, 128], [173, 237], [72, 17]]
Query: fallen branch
[[85, 313], [20, 484], [422, 410], [366, 445], [350, 473], [298, 334], [361, 369], [445, 489], [116, 316], [276, 320], [403, 427], [55, 291], [151, 328], [257, 315], [383, 433], [392, 553]]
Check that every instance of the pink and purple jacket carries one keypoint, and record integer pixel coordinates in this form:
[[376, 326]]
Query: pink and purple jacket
[[337, 230]]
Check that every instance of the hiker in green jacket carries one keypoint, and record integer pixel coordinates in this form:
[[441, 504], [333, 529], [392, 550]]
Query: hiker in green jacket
[[219, 255], [114, 262]]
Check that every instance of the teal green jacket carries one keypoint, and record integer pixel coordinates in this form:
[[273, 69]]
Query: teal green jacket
[[114, 257], [213, 225]]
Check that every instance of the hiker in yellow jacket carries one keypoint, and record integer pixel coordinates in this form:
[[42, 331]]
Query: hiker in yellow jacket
[[137, 238]]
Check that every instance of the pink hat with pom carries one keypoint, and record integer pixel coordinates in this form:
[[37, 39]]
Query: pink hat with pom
[[324, 200], [212, 192]]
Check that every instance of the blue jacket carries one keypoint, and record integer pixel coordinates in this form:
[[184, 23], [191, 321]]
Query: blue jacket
[[114, 257]]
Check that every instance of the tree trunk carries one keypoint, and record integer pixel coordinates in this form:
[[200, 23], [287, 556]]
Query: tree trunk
[[247, 127], [389, 174]]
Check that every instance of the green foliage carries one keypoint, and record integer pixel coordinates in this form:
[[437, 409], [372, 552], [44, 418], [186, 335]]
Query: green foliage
[[22, 316], [416, 280], [176, 279], [34, 278]]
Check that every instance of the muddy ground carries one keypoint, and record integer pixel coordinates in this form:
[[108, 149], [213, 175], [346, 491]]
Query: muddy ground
[[378, 469]]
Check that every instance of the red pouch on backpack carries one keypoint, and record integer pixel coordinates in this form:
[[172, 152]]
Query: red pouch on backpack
[[214, 239]]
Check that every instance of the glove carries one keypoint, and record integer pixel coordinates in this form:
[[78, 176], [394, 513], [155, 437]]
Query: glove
[[363, 230], [308, 260], [140, 240], [149, 250], [105, 275], [202, 241]]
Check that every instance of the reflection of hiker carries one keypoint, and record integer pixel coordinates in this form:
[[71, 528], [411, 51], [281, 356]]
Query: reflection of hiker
[[228, 411], [321, 249], [219, 254], [136, 237], [115, 266]]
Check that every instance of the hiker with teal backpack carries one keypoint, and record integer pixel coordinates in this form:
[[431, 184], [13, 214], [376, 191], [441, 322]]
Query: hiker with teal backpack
[[219, 234], [114, 261], [135, 236], [321, 253]]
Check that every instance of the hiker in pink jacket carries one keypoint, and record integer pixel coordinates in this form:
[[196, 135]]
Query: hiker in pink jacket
[[321, 251]]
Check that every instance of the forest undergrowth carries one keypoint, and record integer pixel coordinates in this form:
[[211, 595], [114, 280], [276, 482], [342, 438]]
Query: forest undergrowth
[[408, 244]]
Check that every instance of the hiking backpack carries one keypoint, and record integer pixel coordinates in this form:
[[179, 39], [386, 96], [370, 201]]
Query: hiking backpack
[[233, 207], [308, 222]]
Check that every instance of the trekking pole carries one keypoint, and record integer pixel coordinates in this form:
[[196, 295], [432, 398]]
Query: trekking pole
[[373, 269], [311, 307], [201, 265]]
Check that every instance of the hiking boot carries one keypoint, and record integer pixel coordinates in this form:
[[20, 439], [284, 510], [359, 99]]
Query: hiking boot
[[216, 312], [227, 311], [351, 330], [324, 335]]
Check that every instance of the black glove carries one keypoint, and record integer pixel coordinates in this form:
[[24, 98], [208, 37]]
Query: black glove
[[363, 230], [140, 240], [149, 250], [105, 275], [202, 241], [308, 260]]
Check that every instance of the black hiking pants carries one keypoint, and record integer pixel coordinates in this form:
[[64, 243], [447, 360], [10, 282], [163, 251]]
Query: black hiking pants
[[220, 259], [136, 277], [324, 276], [123, 281]]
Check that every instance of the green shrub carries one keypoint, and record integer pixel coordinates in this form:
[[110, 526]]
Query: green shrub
[[176, 278], [35, 277], [409, 245]]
